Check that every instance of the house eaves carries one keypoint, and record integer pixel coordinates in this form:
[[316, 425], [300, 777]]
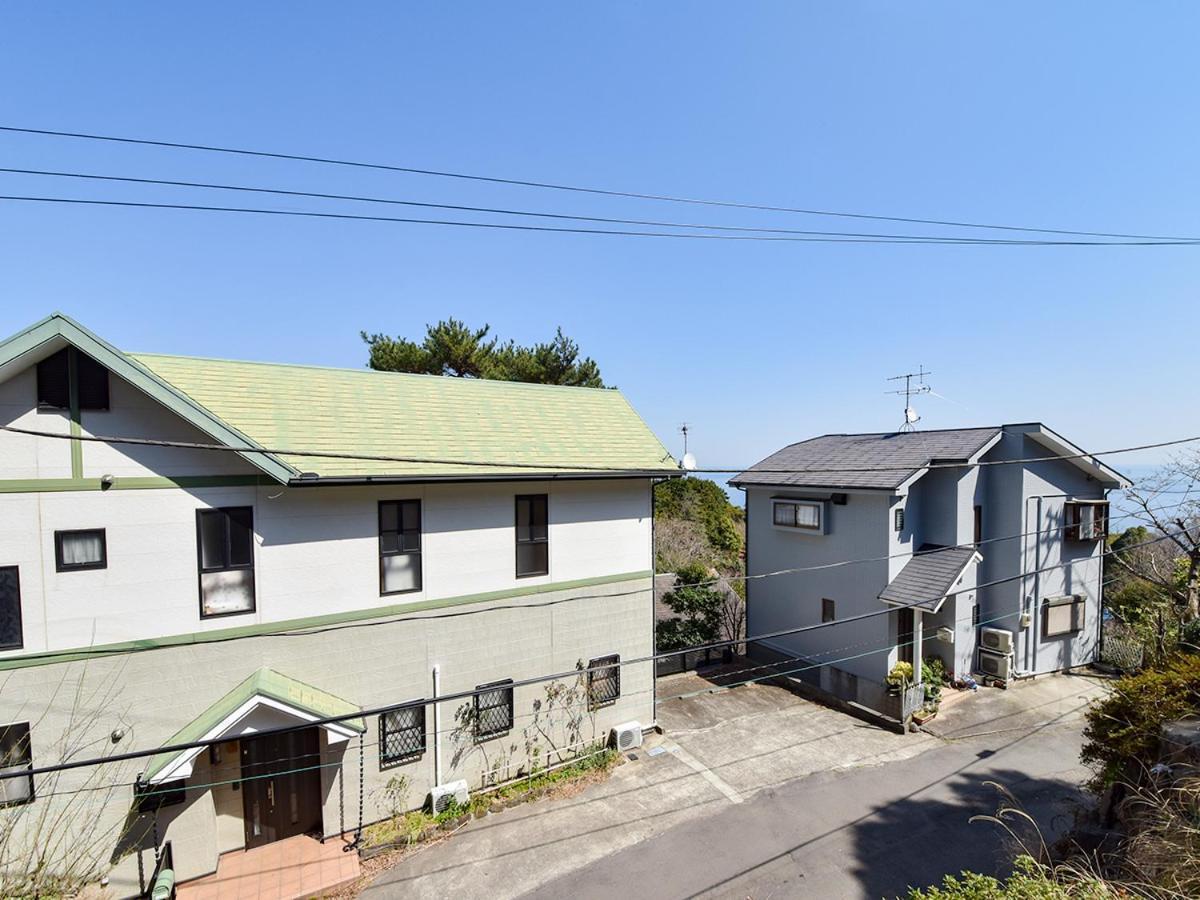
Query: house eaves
[[57, 330], [1077, 457]]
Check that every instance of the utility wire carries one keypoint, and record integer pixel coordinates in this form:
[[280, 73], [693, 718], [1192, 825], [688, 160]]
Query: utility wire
[[559, 676], [506, 226], [566, 468], [515, 182], [358, 198], [927, 634], [301, 631]]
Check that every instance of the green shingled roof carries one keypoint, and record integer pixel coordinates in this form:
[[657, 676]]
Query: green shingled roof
[[533, 428]]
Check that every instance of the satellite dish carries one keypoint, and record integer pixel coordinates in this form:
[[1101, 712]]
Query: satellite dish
[[910, 415], [688, 462]]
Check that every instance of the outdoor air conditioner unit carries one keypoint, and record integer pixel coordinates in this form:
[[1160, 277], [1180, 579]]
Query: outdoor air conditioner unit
[[627, 736], [997, 639], [442, 794], [998, 665]]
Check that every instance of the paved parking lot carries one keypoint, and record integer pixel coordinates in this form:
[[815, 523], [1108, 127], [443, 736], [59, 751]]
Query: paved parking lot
[[718, 750]]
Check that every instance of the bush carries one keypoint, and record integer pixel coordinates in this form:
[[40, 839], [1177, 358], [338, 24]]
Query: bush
[[1029, 881], [933, 678], [1123, 729]]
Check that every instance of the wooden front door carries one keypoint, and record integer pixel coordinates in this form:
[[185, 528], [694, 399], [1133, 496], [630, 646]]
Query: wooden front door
[[281, 790]]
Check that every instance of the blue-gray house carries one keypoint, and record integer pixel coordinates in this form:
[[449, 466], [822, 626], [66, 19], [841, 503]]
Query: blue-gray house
[[984, 546]]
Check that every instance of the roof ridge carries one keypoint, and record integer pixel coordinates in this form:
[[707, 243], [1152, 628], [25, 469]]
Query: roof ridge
[[367, 371]]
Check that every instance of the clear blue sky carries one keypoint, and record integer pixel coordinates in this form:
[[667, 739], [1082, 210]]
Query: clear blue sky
[[1074, 115]]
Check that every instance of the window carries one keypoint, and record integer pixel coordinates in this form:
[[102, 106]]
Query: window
[[493, 708], [152, 797], [975, 615], [905, 633], [800, 514], [1062, 615], [1085, 520], [401, 735], [75, 550], [533, 536], [11, 636], [399, 546], [16, 755], [604, 680], [54, 375], [828, 610], [225, 538], [978, 525], [898, 519]]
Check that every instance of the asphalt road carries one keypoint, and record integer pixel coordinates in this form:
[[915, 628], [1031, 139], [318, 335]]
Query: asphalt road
[[867, 832]]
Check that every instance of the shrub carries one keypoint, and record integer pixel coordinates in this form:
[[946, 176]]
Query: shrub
[[933, 678], [1123, 729], [1029, 881], [901, 674]]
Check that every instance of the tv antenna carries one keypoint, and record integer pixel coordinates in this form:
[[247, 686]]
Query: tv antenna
[[909, 391], [688, 461]]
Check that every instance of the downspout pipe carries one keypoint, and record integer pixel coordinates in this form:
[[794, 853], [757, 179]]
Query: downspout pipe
[[437, 726]]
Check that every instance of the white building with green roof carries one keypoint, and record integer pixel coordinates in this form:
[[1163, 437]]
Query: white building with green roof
[[206, 551]]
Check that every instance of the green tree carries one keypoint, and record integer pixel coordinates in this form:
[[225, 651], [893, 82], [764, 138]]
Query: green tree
[[453, 348], [705, 503], [697, 607]]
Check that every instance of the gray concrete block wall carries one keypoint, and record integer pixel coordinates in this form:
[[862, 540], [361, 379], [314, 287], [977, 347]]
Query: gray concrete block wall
[[150, 695]]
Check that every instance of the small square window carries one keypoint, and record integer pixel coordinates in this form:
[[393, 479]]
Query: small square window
[[82, 549], [493, 708], [604, 680], [828, 610], [16, 755], [401, 735], [1063, 615]]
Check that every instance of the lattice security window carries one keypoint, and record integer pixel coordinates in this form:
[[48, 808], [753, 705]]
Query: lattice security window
[[401, 735], [493, 708], [16, 755], [604, 680], [11, 635]]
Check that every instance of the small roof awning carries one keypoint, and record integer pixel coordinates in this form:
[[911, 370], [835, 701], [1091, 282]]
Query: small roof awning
[[263, 701], [928, 577]]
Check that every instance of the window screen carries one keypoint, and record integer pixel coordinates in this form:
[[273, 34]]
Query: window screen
[[83, 549], [399, 546], [493, 708], [604, 680], [16, 755], [226, 557], [401, 735], [533, 535], [11, 636]]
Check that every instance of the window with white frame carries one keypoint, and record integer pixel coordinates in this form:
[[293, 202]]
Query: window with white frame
[[803, 515], [16, 755]]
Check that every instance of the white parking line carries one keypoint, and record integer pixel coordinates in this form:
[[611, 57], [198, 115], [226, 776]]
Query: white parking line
[[704, 772]]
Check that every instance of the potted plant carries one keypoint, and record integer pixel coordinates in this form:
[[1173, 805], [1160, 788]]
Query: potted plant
[[899, 678]]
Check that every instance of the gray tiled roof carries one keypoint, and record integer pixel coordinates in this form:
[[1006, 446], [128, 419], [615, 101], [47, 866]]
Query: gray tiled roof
[[904, 453], [928, 577]]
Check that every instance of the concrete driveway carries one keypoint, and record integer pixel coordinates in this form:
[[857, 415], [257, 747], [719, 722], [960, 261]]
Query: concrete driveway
[[674, 820]]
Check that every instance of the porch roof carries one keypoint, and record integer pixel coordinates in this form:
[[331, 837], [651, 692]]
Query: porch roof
[[928, 577], [229, 716]]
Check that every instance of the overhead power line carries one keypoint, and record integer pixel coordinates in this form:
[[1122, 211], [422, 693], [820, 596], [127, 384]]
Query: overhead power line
[[546, 185], [567, 468], [489, 210], [506, 226], [559, 676]]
